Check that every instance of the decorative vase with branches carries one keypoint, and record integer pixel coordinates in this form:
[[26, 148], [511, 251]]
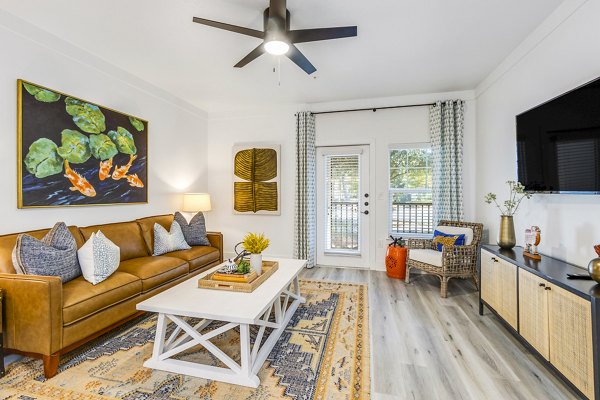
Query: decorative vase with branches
[[506, 236]]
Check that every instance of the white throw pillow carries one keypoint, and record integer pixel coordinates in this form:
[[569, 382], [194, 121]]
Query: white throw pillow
[[98, 258], [166, 242]]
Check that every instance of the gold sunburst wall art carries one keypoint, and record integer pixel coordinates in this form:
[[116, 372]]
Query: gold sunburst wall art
[[256, 179]]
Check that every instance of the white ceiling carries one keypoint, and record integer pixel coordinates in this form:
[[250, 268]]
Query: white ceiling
[[403, 46]]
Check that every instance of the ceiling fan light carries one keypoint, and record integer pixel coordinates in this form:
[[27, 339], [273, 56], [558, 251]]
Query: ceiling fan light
[[276, 47]]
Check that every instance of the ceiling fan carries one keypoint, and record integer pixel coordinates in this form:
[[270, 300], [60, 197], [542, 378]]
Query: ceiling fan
[[277, 37]]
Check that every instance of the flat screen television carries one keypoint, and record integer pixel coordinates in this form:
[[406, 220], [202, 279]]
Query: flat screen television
[[558, 143]]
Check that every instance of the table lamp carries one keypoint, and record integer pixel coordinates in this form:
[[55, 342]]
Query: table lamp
[[194, 202]]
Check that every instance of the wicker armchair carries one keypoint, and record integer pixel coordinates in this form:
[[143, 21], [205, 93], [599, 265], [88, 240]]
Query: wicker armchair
[[454, 262]]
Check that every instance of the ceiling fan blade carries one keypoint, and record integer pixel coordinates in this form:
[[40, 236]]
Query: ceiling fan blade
[[253, 55], [231, 28], [313, 35], [277, 9], [300, 60]]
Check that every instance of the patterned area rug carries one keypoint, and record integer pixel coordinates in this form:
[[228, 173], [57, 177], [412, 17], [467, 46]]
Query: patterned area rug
[[323, 354]]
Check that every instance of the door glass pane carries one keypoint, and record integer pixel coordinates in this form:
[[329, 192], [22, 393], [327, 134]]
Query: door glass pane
[[342, 182]]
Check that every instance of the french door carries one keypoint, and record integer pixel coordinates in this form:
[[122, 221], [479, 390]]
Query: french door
[[343, 202]]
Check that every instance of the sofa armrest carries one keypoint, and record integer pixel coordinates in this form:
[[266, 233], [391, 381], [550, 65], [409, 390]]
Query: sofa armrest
[[216, 240], [33, 313]]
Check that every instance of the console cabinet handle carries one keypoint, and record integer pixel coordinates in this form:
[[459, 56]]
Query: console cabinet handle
[[542, 284], [548, 288]]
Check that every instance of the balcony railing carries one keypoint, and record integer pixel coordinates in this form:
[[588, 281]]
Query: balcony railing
[[412, 218], [343, 226]]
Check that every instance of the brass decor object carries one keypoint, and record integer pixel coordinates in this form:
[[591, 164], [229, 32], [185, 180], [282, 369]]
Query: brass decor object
[[268, 269], [506, 236], [594, 265]]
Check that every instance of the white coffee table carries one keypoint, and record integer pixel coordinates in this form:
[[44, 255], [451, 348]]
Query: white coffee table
[[234, 308]]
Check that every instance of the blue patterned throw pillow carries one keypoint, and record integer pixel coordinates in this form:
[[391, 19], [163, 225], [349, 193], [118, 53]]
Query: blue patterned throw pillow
[[440, 239], [54, 255], [194, 231], [99, 258], [166, 242]]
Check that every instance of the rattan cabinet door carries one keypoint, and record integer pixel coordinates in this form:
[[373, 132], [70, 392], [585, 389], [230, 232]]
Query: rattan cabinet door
[[488, 282], [506, 275], [570, 327], [533, 311]]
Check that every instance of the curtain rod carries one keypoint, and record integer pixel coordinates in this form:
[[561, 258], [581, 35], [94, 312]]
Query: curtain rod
[[374, 108]]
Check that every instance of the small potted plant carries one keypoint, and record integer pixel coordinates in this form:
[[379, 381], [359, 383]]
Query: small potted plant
[[255, 244]]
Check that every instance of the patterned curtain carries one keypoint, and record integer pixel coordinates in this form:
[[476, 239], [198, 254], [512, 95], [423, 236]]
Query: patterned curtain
[[446, 122], [305, 229]]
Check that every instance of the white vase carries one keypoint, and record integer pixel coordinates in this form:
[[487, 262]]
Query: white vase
[[256, 262]]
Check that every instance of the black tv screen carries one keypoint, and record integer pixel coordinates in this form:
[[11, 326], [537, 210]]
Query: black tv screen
[[558, 143]]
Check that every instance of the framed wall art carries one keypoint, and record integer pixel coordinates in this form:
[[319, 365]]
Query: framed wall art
[[256, 179], [72, 152]]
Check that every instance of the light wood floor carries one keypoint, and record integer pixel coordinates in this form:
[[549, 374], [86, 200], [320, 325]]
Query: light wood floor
[[426, 347]]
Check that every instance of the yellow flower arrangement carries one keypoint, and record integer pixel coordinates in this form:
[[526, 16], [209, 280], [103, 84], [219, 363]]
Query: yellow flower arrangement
[[255, 243]]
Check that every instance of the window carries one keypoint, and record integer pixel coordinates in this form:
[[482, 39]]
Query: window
[[410, 191], [342, 185]]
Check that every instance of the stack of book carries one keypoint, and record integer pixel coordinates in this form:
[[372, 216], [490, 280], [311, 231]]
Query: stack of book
[[234, 277]]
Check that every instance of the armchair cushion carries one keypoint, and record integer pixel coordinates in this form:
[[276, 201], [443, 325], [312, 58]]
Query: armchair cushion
[[457, 230], [427, 256]]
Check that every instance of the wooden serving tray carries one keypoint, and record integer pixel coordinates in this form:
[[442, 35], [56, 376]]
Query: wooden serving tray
[[268, 269]]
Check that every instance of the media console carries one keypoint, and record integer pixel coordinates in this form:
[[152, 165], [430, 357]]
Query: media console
[[557, 319]]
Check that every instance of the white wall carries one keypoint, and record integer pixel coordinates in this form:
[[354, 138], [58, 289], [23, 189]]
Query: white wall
[[177, 131], [560, 55], [277, 125], [274, 125]]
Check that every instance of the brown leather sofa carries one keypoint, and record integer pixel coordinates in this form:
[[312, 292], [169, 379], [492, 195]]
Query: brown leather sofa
[[45, 318]]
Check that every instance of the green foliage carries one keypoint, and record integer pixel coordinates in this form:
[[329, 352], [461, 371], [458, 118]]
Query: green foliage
[[255, 243], [137, 124], [86, 116], [102, 147], [42, 160], [75, 147], [44, 95], [410, 168], [124, 140], [517, 194], [243, 267]]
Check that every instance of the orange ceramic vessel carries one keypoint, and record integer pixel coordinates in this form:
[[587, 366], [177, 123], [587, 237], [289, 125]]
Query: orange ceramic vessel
[[395, 262]]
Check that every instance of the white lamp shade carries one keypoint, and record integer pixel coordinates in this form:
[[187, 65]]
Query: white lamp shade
[[194, 202]]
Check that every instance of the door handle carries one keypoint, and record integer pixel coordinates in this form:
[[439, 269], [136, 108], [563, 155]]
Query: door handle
[[366, 212]]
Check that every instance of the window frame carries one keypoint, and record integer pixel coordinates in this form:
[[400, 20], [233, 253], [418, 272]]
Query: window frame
[[392, 191]]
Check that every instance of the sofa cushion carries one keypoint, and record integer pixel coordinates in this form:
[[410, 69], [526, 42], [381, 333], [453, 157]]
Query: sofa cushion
[[98, 258], [82, 299], [7, 244], [168, 241], [53, 255], [147, 228], [193, 231], [197, 256], [126, 235], [427, 256], [155, 270]]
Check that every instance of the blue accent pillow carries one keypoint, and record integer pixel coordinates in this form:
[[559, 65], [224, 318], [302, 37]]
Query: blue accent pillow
[[441, 239]]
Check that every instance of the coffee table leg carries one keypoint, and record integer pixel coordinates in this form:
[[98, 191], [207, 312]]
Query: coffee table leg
[[245, 355], [159, 341]]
